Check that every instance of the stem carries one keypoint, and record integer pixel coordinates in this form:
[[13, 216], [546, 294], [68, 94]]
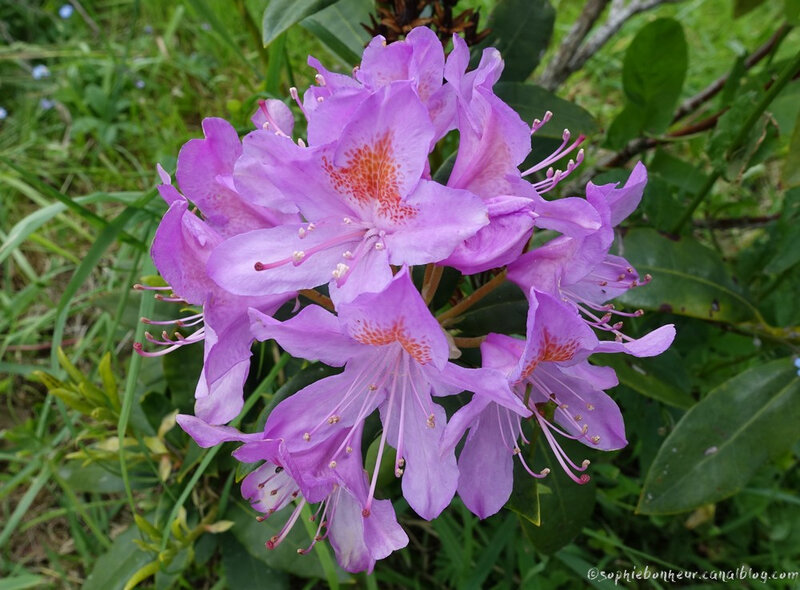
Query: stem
[[447, 317], [433, 274], [785, 75], [318, 298], [469, 342]]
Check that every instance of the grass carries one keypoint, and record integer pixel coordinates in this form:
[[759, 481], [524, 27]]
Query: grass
[[130, 81]]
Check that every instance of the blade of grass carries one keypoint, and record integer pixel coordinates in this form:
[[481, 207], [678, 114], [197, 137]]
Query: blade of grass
[[145, 310], [107, 237], [25, 502], [322, 550]]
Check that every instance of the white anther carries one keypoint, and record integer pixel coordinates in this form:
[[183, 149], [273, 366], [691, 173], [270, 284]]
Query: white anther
[[300, 142], [320, 98], [347, 220], [298, 255], [301, 233], [320, 80], [332, 464], [348, 255], [306, 437], [379, 246], [340, 270]]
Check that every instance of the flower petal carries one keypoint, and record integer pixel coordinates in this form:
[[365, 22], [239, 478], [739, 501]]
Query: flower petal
[[397, 315], [313, 334]]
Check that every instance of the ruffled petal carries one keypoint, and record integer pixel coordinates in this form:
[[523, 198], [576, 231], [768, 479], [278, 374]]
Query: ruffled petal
[[313, 334], [397, 315]]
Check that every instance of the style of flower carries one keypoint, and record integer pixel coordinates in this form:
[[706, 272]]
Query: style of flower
[[546, 371], [365, 202], [305, 477], [395, 357]]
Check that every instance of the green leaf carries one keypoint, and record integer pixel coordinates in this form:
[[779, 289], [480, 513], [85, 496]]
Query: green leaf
[[524, 500], [652, 77], [253, 534], [91, 478], [22, 581], [337, 26], [688, 279], [565, 505], [531, 102], [113, 569], [245, 572], [791, 167], [742, 7], [791, 9], [631, 374], [722, 441], [282, 14], [521, 31]]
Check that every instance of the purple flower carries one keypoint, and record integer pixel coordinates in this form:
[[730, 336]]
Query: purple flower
[[308, 477], [493, 142], [181, 248], [365, 200], [395, 357], [548, 368]]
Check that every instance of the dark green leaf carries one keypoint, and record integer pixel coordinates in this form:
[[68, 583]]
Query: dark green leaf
[[631, 374], [524, 498], [791, 167], [253, 534], [791, 10], [338, 27], [565, 505], [112, 570], [652, 77], [531, 102], [243, 571], [521, 31], [688, 279], [742, 7], [721, 442], [282, 14]]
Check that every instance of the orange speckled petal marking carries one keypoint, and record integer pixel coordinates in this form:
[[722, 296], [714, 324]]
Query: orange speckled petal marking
[[371, 177], [552, 350], [418, 348]]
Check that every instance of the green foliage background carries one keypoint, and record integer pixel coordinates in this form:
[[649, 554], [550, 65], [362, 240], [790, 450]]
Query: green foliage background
[[98, 487]]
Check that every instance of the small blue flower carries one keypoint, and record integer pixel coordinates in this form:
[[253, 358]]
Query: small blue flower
[[205, 26], [46, 104], [40, 71], [3, 113], [66, 11], [139, 84], [148, 30], [797, 364]]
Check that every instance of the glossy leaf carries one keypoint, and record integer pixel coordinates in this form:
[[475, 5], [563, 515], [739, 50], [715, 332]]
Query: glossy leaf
[[632, 375], [531, 102], [521, 31], [688, 279], [245, 572], [791, 167], [282, 14], [253, 534], [565, 505], [723, 440], [524, 500], [652, 77], [337, 26], [113, 569]]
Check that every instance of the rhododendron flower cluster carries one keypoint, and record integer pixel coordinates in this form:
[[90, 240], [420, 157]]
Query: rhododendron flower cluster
[[329, 227]]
